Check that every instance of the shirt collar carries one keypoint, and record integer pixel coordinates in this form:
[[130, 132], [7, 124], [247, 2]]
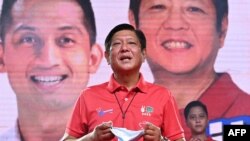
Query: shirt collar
[[113, 85], [222, 83]]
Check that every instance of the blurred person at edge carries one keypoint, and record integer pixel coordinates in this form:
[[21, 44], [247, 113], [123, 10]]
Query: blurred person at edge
[[196, 116], [48, 51], [126, 100], [183, 39]]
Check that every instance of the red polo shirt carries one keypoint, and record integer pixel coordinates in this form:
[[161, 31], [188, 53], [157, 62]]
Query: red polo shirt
[[110, 101]]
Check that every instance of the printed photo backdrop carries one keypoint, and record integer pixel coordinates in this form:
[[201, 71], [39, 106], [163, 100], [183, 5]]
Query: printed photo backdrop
[[234, 57]]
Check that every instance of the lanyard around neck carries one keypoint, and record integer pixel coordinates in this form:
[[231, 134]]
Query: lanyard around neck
[[120, 106]]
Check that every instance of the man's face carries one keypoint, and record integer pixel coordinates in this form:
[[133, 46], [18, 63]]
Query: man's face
[[197, 120], [125, 53], [181, 34], [47, 53]]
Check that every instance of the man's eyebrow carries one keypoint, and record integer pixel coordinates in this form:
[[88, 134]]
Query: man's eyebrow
[[24, 27], [200, 1], [65, 28]]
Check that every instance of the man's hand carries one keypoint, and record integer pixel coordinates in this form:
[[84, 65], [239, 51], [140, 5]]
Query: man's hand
[[102, 132], [151, 132]]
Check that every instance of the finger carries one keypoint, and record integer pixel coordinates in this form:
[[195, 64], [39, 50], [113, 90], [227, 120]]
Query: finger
[[103, 126], [148, 125], [103, 134], [109, 123], [150, 138], [107, 136], [103, 130], [152, 129], [149, 132], [151, 126], [152, 134]]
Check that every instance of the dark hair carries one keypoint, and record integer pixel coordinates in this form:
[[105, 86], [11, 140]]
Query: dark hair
[[221, 7], [88, 21], [140, 35], [192, 104]]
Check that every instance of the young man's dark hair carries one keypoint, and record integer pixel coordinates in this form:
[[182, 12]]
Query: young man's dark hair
[[221, 7], [194, 104], [88, 21], [120, 27]]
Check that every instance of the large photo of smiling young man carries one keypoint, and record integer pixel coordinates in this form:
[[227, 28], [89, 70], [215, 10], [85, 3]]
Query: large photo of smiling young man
[[184, 38], [48, 58]]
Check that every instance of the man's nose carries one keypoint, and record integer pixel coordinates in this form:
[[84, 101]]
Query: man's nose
[[124, 47], [175, 20], [48, 55]]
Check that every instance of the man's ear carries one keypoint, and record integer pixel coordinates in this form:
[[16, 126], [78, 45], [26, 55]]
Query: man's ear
[[144, 54], [107, 57], [223, 32], [131, 18], [96, 56], [2, 66]]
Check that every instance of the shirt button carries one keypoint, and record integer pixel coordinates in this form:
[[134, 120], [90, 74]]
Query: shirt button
[[126, 99]]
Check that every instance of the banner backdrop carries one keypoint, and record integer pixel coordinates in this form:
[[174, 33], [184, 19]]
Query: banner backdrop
[[233, 58]]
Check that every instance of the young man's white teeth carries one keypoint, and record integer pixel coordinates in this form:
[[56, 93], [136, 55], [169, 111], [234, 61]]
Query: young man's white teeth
[[172, 45], [183, 45], [178, 44], [175, 44], [48, 78], [50, 83]]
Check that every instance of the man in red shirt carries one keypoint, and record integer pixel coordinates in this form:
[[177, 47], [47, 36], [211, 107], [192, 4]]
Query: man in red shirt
[[127, 100]]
